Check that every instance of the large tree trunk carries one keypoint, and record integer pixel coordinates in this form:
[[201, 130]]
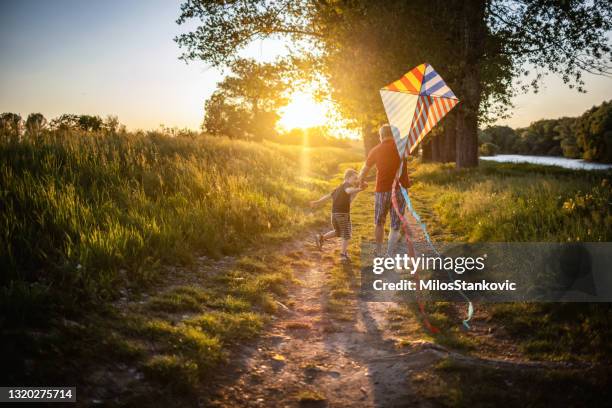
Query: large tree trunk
[[467, 138], [473, 36], [449, 140], [436, 148], [426, 155]]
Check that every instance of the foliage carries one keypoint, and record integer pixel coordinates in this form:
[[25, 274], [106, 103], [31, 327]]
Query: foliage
[[503, 137], [77, 209], [82, 122], [594, 133], [540, 138], [561, 37], [246, 101], [488, 149], [35, 123], [482, 49], [588, 136], [11, 125]]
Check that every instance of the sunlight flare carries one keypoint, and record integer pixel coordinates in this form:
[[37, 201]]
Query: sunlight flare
[[303, 112]]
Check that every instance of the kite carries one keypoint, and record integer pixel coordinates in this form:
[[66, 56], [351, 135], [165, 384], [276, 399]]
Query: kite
[[414, 104]]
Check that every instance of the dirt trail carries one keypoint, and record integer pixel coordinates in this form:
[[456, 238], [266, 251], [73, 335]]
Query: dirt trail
[[310, 358]]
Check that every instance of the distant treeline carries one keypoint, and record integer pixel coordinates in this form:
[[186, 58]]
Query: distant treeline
[[588, 137], [13, 126]]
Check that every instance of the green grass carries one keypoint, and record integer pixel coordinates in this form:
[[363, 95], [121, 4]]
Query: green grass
[[459, 384], [85, 214], [514, 203], [309, 397], [521, 203]]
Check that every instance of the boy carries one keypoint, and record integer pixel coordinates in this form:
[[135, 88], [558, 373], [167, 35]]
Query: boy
[[341, 211]]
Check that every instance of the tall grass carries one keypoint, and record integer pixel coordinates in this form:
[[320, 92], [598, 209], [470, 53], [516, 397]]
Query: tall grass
[[526, 203], [521, 203], [86, 213]]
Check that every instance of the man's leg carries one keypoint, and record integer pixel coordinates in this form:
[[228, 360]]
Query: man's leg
[[379, 233], [394, 233], [381, 208]]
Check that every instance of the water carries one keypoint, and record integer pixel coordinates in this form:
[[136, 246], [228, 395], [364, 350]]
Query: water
[[575, 164]]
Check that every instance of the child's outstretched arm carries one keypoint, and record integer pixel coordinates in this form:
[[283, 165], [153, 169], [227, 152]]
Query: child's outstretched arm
[[320, 200]]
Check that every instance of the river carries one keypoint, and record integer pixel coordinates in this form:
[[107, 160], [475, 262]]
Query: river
[[575, 164]]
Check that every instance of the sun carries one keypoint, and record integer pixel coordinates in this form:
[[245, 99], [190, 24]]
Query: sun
[[302, 112]]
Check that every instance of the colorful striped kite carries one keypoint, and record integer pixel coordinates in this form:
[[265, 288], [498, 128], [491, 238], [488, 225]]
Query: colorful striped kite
[[414, 104]]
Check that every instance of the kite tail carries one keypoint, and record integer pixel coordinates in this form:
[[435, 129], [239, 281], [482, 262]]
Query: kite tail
[[410, 245], [470, 311]]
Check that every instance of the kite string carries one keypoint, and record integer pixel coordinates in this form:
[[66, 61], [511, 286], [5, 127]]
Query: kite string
[[415, 215], [411, 252], [470, 311]]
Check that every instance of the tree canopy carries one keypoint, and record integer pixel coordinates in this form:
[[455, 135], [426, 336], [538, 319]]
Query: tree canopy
[[588, 137], [246, 101], [484, 49]]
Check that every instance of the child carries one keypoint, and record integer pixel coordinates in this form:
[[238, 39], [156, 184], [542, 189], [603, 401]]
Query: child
[[341, 211]]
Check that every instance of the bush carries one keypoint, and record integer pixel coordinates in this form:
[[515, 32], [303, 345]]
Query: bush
[[488, 149]]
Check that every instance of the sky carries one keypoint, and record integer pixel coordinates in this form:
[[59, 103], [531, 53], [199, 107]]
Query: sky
[[119, 58]]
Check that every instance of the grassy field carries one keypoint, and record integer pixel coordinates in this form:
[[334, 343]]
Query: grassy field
[[112, 242], [515, 203], [94, 223], [86, 214], [520, 203]]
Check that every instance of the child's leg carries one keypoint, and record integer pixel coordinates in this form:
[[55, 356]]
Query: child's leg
[[345, 243]]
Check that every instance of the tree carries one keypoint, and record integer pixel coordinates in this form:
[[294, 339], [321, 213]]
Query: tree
[[488, 149], [594, 133], [246, 101], [65, 121], [90, 123], [11, 126], [87, 123], [484, 46], [565, 129], [35, 123], [503, 137], [111, 123]]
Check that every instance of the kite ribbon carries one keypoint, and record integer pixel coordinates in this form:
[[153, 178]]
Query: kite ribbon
[[415, 215], [411, 252]]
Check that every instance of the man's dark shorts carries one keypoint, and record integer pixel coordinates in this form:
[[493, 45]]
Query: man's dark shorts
[[383, 205]]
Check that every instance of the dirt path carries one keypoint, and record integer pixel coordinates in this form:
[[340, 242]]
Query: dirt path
[[316, 354], [309, 357]]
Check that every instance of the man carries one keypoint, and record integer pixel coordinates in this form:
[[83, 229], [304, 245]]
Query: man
[[387, 161]]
